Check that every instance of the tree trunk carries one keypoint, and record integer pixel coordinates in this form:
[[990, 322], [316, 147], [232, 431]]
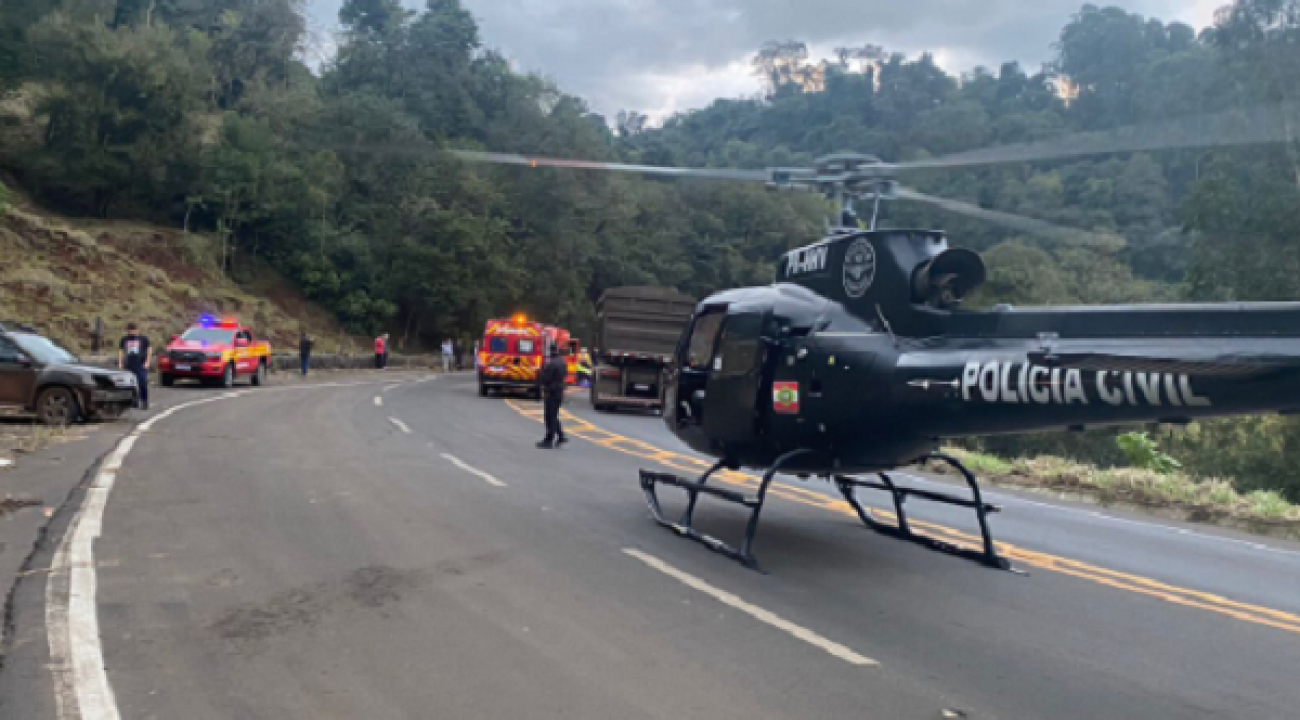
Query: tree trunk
[[406, 335]]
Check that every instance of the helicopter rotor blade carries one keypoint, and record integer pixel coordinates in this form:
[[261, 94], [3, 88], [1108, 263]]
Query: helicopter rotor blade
[[1016, 222], [758, 176], [1256, 126]]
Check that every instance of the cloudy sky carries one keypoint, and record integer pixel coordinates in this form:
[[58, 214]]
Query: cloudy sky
[[661, 56]]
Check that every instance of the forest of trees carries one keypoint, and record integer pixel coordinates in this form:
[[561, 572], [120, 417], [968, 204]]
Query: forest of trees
[[204, 114]]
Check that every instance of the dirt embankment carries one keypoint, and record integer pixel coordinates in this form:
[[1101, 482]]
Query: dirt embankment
[[60, 275]]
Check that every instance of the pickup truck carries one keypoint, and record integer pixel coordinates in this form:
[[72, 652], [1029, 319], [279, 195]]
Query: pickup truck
[[215, 351]]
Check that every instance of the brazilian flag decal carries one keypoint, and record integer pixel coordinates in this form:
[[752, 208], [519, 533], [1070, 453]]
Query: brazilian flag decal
[[785, 398]]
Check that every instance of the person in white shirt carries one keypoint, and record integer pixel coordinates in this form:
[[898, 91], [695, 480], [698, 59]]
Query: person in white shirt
[[448, 354]]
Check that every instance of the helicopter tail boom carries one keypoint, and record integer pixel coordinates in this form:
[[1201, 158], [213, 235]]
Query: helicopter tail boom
[[1000, 391]]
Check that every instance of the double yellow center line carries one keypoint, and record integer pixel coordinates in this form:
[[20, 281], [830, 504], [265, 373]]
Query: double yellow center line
[[692, 466]]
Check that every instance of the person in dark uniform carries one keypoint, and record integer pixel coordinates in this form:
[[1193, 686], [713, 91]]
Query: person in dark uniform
[[135, 354], [552, 382], [304, 352]]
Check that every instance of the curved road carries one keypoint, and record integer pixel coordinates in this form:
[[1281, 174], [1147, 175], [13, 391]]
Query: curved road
[[402, 551]]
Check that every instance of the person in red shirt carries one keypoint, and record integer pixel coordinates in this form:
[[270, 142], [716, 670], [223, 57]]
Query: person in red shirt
[[381, 352]]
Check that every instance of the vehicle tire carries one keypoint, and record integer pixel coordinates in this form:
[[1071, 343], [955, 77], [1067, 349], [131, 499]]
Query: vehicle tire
[[259, 377], [228, 376], [166, 380], [57, 406], [482, 389]]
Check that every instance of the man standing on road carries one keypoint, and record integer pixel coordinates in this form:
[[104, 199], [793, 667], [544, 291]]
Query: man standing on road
[[381, 351], [552, 382], [304, 352], [135, 353], [448, 354]]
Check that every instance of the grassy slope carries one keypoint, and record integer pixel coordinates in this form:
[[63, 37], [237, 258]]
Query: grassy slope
[[61, 274]]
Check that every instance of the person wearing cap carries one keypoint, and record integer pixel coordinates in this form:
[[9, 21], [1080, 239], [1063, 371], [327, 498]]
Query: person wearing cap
[[552, 381]]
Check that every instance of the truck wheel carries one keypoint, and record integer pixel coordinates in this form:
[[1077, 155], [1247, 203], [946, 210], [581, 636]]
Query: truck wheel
[[57, 406], [166, 380], [228, 376], [482, 389], [259, 377]]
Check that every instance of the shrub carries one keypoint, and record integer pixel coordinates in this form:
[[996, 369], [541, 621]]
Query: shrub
[[1142, 452]]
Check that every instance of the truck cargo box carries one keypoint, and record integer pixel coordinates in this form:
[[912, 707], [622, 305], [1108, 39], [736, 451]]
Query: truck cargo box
[[637, 330]]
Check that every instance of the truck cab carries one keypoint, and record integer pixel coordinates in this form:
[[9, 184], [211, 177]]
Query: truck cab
[[215, 351]]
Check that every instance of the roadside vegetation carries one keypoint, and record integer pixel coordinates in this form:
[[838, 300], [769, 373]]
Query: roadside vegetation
[[1150, 479]]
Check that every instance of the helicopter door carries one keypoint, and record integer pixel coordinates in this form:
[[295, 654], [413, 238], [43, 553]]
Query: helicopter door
[[695, 362], [735, 380]]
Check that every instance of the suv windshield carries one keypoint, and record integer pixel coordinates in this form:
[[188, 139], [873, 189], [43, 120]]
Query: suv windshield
[[42, 350], [209, 336]]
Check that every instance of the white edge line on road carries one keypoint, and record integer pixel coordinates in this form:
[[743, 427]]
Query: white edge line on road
[[81, 687], [473, 471], [400, 425], [379, 401], [833, 648]]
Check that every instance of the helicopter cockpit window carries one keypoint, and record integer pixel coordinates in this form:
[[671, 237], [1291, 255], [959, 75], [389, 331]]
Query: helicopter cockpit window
[[703, 336], [740, 347]]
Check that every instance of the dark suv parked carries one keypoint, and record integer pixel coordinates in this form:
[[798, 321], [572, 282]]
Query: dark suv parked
[[40, 377]]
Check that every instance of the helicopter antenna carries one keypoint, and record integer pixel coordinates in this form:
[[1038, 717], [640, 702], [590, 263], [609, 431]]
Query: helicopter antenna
[[888, 328]]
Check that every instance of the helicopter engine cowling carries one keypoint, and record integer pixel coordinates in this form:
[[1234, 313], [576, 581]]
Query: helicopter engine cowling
[[947, 280]]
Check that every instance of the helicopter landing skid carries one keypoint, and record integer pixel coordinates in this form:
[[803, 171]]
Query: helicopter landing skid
[[987, 556], [694, 489]]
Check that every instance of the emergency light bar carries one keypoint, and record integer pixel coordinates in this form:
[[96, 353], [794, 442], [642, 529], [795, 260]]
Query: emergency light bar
[[208, 321]]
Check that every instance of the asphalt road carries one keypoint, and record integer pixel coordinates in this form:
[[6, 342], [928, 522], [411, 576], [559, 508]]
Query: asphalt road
[[313, 552]]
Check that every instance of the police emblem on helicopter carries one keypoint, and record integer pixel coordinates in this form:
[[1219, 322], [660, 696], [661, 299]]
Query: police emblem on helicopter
[[859, 268]]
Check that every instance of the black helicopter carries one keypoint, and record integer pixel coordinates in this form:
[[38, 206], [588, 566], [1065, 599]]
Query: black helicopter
[[859, 359]]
